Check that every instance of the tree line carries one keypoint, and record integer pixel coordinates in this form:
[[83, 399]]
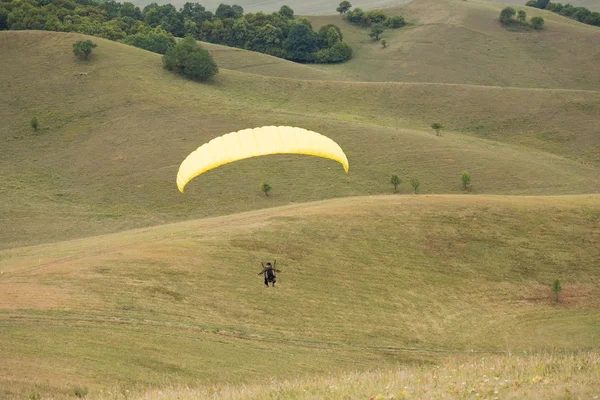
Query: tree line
[[580, 14], [155, 27], [377, 20]]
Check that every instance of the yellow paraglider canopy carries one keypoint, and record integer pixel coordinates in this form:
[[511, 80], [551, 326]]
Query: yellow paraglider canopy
[[256, 142]]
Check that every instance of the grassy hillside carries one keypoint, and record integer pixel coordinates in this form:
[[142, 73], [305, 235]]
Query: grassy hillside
[[366, 283], [459, 377], [593, 5], [453, 41], [110, 142]]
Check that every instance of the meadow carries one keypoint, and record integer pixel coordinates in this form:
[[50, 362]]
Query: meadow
[[113, 284]]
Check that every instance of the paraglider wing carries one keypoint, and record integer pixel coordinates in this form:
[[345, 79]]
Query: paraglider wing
[[256, 142]]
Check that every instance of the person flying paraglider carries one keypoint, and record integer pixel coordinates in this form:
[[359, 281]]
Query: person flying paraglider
[[269, 272]]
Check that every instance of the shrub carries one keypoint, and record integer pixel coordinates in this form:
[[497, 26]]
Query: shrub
[[156, 40], [376, 30], [414, 182], [556, 288], [394, 22], [436, 127], [83, 49], [384, 42], [266, 188], [466, 179], [80, 391], [507, 14], [34, 123], [537, 22], [337, 53], [522, 16], [190, 60], [396, 181]]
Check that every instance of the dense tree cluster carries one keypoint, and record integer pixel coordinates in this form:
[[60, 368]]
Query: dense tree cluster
[[155, 26], [377, 20], [507, 18], [580, 14]]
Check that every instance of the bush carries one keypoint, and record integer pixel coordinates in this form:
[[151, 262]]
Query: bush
[[376, 30], [337, 53], [83, 49], [80, 391], [384, 42], [156, 40], [34, 123], [395, 22], [556, 288], [507, 14], [396, 181], [466, 179], [414, 182], [266, 188], [522, 16], [190, 60], [537, 22], [436, 127]]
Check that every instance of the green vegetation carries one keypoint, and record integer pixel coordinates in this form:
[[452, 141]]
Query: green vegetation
[[396, 181], [376, 30], [522, 16], [190, 60], [266, 188], [414, 182], [344, 7], [507, 14], [436, 126], [383, 42], [537, 22], [83, 49], [377, 20], [153, 28], [465, 178], [34, 123], [580, 14], [556, 289]]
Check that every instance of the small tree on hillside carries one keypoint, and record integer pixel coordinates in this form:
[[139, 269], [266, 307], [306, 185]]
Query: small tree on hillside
[[266, 188], [344, 7], [83, 49], [522, 16], [466, 179], [34, 123], [384, 42], [507, 14], [556, 288], [537, 22], [376, 30], [396, 181], [436, 127], [190, 60], [414, 182]]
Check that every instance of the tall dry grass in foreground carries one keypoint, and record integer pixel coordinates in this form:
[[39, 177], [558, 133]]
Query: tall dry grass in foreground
[[548, 376]]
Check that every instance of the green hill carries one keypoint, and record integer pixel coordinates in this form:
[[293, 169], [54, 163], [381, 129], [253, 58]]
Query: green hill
[[111, 140], [453, 41], [366, 283]]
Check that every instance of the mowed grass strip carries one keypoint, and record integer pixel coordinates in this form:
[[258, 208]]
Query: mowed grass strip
[[367, 283]]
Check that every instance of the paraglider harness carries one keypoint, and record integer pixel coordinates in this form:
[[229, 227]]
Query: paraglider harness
[[269, 272]]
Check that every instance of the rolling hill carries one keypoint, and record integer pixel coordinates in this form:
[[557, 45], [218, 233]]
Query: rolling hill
[[113, 281], [111, 140], [366, 283]]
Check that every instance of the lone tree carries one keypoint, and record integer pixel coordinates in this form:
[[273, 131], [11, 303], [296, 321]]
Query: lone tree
[[436, 127], [83, 49], [414, 182], [466, 179], [522, 16], [556, 288], [344, 7], [537, 22], [384, 42], [34, 123], [376, 30], [190, 60], [507, 14], [396, 181], [266, 188]]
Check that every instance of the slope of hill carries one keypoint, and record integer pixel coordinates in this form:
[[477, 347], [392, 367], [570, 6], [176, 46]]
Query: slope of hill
[[367, 283], [110, 142], [593, 5], [453, 41]]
